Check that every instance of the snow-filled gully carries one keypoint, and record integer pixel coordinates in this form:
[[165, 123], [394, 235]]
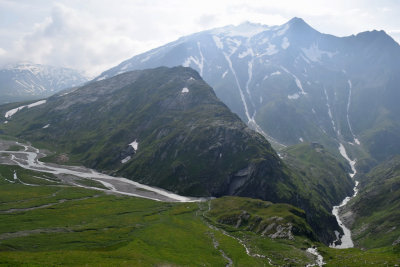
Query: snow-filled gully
[[344, 240], [356, 141], [250, 119], [246, 110]]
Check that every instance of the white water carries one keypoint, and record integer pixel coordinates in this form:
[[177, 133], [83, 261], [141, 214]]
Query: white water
[[347, 115], [320, 259], [246, 110], [250, 119], [329, 110], [32, 163], [345, 239], [352, 163], [298, 83], [201, 63]]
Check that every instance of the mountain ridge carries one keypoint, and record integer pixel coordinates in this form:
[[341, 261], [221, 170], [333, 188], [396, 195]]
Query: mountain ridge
[[25, 80], [327, 87]]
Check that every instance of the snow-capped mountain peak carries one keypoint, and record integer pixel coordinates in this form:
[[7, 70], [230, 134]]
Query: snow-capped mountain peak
[[25, 80], [245, 29], [261, 72]]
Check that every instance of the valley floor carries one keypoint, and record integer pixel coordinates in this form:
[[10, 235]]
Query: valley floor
[[27, 157], [45, 221]]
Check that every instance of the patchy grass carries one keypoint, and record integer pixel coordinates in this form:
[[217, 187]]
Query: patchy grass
[[74, 226]]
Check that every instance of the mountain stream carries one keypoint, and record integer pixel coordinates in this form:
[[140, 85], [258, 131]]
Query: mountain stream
[[345, 239], [29, 159]]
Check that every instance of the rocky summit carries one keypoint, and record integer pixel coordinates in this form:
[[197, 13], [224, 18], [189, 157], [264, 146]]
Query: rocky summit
[[294, 84]]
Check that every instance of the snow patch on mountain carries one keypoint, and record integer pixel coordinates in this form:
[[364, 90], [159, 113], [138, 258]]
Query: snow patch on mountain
[[246, 30], [193, 60], [315, 54], [285, 43], [245, 53], [282, 30], [218, 42], [126, 159], [11, 112], [270, 50], [38, 103], [28, 79], [276, 73], [134, 145], [298, 83]]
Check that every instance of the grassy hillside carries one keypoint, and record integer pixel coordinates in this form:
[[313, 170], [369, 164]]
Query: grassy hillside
[[54, 224], [51, 224]]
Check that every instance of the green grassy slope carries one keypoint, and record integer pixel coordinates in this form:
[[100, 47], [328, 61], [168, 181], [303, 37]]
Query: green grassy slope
[[90, 227], [52, 224]]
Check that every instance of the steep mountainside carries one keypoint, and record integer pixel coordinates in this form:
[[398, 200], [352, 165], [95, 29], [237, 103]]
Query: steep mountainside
[[321, 176], [24, 81], [167, 128], [328, 173], [294, 84], [163, 127], [374, 215]]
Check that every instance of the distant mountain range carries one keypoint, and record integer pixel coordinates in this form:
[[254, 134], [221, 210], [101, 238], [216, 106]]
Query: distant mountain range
[[24, 81], [294, 84]]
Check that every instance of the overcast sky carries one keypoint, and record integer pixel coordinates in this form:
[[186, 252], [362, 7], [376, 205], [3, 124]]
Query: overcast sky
[[94, 35]]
